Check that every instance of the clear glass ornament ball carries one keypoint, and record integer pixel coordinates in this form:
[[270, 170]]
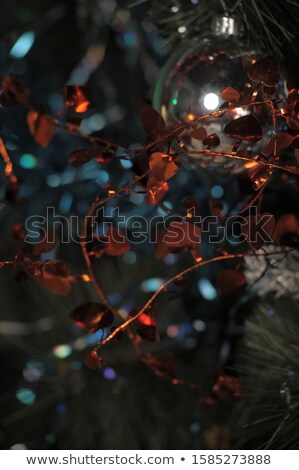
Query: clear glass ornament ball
[[190, 85]]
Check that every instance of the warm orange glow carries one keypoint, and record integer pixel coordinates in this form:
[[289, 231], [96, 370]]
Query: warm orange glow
[[191, 116], [145, 319], [250, 164], [8, 169], [82, 107]]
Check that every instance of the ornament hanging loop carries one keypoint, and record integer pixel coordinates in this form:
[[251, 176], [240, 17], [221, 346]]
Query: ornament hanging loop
[[226, 25]]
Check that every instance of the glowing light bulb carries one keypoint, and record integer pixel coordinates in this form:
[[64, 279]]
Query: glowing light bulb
[[211, 101]]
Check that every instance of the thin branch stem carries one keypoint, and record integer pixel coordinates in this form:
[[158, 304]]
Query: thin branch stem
[[83, 242], [8, 171], [181, 274], [237, 157]]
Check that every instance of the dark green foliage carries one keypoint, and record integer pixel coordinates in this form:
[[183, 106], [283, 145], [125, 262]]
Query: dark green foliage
[[269, 369], [270, 24]]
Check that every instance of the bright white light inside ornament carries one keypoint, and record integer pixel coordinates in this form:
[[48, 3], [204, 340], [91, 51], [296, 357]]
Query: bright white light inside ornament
[[211, 101], [241, 112]]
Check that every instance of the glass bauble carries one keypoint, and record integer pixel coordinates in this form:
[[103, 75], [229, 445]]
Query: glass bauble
[[190, 85]]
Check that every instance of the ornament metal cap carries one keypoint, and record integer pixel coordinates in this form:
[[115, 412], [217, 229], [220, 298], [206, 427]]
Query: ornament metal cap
[[226, 25]]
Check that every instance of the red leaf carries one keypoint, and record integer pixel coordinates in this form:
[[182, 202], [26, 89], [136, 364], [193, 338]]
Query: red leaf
[[92, 360], [257, 230], [152, 121], [230, 94], [265, 70], [118, 244], [246, 128], [77, 97], [149, 332], [147, 316], [227, 281], [245, 97], [41, 127], [227, 387], [81, 156], [58, 268], [182, 234], [155, 190], [162, 365], [293, 123], [14, 91], [212, 140], [191, 205], [269, 149], [44, 246], [92, 316], [199, 134], [288, 223], [284, 140], [162, 167], [291, 110], [259, 175], [53, 280], [146, 323]]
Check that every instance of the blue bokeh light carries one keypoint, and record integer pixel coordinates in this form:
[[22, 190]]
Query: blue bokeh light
[[23, 45]]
